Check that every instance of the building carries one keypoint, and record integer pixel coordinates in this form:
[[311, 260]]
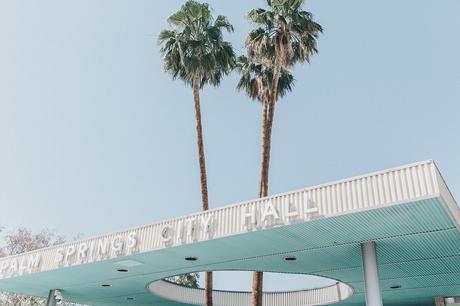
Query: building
[[391, 235]]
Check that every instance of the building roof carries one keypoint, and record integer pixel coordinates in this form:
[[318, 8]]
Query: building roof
[[408, 211]]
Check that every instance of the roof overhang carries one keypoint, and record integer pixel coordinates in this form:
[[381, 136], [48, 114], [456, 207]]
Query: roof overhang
[[408, 211]]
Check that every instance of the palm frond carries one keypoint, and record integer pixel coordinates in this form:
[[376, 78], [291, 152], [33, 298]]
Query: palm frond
[[261, 17], [222, 22], [256, 76]]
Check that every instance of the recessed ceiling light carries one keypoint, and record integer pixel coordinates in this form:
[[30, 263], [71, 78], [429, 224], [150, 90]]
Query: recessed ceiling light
[[106, 285], [191, 258], [290, 258], [395, 287], [122, 270]]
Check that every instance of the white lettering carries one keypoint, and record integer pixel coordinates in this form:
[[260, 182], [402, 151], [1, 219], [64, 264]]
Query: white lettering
[[269, 211], [60, 255], [3, 267], [19, 265], [206, 221], [261, 214], [291, 210], [91, 255], [191, 229], [82, 251], [68, 254], [181, 236], [249, 214], [310, 207], [102, 248], [167, 234], [13, 266], [34, 262], [117, 244], [131, 241]]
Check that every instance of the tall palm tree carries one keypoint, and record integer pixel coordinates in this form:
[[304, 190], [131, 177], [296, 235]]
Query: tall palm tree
[[287, 35], [195, 52]]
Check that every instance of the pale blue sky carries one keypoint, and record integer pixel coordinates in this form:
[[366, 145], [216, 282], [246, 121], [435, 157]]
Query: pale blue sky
[[94, 137]]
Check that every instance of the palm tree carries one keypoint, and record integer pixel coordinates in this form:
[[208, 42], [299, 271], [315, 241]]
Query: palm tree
[[256, 76], [195, 52], [286, 35]]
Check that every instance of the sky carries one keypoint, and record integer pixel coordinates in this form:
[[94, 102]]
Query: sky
[[95, 138]]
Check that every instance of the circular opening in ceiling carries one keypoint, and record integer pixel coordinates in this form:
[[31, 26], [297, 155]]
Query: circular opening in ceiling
[[273, 282], [232, 286]]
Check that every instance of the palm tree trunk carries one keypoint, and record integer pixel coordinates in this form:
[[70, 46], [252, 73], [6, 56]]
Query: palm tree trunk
[[263, 167], [268, 113], [203, 179], [271, 115], [257, 287]]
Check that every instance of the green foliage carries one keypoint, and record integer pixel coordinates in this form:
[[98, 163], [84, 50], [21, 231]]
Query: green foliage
[[188, 280], [194, 46], [256, 76], [283, 30]]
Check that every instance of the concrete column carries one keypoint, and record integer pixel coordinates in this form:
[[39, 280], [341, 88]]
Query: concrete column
[[51, 301], [371, 274], [439, 301], [54, 298]]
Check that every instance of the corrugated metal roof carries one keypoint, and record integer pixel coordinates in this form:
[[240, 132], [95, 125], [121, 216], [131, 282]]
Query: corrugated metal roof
[[408, 210]]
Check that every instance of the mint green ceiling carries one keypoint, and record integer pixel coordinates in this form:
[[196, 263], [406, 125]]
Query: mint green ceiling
[[418, 248]]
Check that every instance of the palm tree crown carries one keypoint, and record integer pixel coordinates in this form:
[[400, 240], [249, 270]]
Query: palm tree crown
[[284, 31], [256, 76], [194, 47]]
